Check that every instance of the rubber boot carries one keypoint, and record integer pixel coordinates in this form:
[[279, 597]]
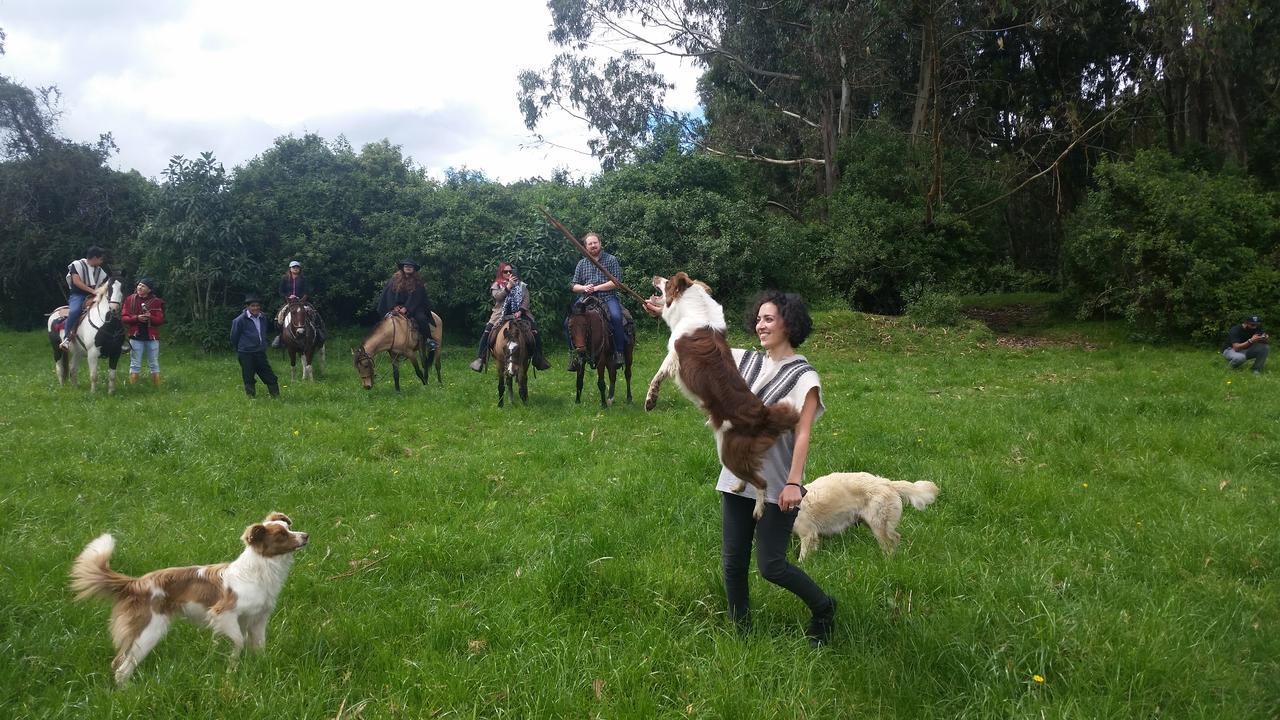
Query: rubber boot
[[133, 378], [539, 360], [251, 390], [482, 351], [155, 379]]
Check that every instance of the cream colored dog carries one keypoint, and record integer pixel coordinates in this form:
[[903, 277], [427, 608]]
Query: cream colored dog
[[836, 501]]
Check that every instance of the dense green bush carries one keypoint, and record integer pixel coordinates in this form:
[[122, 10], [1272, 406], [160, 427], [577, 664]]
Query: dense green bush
[[878, 243], [1175, 252]]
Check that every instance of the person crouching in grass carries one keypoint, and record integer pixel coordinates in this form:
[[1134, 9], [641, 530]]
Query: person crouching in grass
[[249, 338]]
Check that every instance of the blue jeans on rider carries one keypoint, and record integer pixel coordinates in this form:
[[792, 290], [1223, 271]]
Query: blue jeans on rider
[[615, 322], [137, 348], [74, 303]]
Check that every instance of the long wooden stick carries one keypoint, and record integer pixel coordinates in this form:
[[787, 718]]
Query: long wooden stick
[[587, 255]]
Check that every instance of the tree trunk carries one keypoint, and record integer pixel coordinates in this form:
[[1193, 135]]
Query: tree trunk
[[842, 128], [924, 85]]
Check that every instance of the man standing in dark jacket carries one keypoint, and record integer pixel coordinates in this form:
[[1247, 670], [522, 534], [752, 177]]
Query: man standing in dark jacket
[[249, 338]]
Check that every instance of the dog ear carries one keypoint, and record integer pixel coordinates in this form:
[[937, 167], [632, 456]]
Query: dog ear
[[274, 516], [678, 284], [254, 534]]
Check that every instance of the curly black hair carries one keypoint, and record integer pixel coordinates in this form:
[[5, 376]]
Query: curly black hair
[[792, 310]]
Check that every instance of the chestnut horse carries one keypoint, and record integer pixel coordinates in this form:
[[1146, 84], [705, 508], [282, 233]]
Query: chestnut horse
[[591, 340], [300, 334], [397, 335], [512, 350], [99, 333]]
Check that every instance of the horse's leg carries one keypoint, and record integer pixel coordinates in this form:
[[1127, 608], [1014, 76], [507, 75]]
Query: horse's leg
[[395, 371], [626, 370], [581, 370], [436, 353], [92, 358], [113, 359], [73, 365], [417, 369], [604, 403], [524, 382], [613, 380], [293, 365], [502, 380]]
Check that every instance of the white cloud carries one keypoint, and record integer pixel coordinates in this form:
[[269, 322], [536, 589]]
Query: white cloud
[[178, 78]]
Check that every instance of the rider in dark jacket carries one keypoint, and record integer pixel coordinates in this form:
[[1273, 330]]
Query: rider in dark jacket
[[406, 295]]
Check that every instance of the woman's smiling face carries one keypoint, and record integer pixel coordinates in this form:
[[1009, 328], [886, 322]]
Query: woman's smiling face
[[769, 326]]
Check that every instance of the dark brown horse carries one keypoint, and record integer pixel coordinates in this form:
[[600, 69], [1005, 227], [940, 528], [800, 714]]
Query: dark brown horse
[[512, 350], [591, 340], [397, 335], [301, 334]]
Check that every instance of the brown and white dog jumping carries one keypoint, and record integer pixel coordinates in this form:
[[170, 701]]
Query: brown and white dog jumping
[[699, 359], [836, 501], [235, 599]]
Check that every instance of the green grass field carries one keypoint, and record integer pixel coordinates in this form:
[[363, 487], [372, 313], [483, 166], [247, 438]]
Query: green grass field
[[1104, 546]]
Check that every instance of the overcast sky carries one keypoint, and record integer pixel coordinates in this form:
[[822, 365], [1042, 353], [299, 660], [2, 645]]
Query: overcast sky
[[179, 77]]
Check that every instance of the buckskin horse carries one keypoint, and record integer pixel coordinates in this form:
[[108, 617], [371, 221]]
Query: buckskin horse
[[397, 335], [100, 332], [591, 340], [512, 350], [301, 335]]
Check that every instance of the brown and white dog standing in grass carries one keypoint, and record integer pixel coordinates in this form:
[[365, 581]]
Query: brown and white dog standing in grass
[[699, 359], [836, 501], [234, 599]]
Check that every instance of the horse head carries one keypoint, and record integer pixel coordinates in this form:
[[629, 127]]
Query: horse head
[[586, 323], [298, 327], [364, 366]]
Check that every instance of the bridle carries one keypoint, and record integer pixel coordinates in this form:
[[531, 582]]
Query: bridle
[[113, 307]]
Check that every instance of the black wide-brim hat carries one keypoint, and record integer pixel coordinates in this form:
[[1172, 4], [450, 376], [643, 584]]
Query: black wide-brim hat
[[410, 261]]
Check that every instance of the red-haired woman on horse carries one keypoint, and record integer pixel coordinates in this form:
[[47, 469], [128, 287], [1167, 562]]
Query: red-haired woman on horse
[[498, 291], [510, 298]]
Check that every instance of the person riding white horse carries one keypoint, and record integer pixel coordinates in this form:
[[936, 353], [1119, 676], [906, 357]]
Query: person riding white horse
[[83, 278], [101, 333]]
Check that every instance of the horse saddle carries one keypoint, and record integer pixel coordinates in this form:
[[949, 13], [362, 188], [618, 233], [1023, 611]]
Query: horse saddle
[[593, 304]]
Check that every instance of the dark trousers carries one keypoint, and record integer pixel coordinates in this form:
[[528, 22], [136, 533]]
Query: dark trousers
[[255, 363], [772, 534]]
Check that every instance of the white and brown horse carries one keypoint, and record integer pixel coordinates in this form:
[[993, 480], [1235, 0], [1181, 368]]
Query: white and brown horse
[[512, 350], [301, 334], [100, 332], [397, 335]]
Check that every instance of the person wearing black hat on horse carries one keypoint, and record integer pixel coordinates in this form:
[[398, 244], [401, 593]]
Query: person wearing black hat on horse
[[249, 338], [1247, 341], [405, 294], [142, 313]]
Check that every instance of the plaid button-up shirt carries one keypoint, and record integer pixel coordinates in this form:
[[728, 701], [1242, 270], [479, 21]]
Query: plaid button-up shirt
[[586, 273]]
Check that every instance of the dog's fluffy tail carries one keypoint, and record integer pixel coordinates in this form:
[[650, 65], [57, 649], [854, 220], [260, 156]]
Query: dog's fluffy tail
[[779, 419], [919, 493], [91, 573]]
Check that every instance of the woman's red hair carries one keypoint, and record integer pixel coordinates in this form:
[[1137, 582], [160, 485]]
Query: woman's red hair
[[502, 267]]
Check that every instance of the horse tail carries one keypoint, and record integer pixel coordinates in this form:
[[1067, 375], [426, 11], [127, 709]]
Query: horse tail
[[91, 573]]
